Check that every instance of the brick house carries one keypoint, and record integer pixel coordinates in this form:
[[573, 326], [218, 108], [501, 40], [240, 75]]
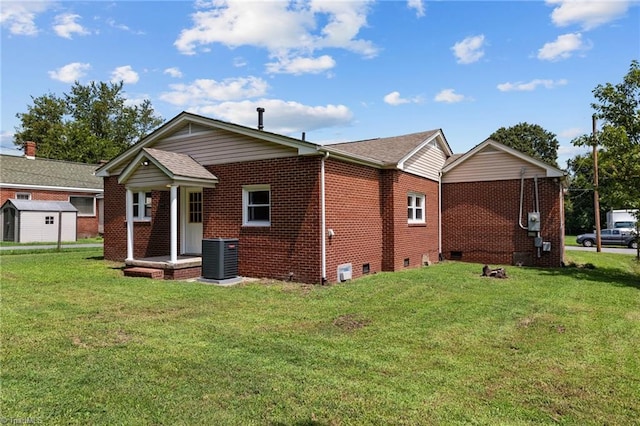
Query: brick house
[[39, 179], [299, 210]]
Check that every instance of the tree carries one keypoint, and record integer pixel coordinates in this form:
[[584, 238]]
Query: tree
[[618, 106], [89, 124], [531, 139]]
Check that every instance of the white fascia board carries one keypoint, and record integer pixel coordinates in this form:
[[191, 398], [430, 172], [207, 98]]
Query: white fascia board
[[438, 137], [135, 164], [550, 170], [50, 188]]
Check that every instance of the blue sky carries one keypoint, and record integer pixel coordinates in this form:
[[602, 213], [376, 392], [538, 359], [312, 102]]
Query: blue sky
[[336, 70]]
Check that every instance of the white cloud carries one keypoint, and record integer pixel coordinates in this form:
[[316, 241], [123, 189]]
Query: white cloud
[[531, 85], [126, 74], [449, 96], [204, 91], [418, 5], [395, 99], [113, 24], [239, 62], [571, 133], [588, 13], [301, 65], [21, 17], [563, 48], [289, 118], [70, 72], [173, 72], [469, 50], [65, 25], [285, 29]]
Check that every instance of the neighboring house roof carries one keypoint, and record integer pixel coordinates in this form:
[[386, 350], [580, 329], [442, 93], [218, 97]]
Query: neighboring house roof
[[392, 150], [41, 206], [21, 172], [549, 170]]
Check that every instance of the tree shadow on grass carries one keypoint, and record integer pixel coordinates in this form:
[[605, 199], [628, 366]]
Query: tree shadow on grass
[[597, 274]]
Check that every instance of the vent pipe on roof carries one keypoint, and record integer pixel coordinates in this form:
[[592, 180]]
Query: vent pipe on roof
[[260, 116], [304, 136]]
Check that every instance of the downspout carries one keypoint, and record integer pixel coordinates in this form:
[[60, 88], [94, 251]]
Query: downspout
[[440, 216], [535, 180], [323, 220]]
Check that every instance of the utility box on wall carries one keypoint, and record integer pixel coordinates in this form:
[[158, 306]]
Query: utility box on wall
[[533, 222], [220, 258]]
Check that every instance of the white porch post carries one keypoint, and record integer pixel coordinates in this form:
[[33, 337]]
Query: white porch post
[[129, 210], [174, 224]]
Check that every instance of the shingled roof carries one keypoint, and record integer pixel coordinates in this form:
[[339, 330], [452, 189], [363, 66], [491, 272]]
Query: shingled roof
[[179, 165], [51, 173], [387, 150]]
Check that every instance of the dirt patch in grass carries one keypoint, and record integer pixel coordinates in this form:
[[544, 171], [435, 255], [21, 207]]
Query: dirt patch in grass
[[350, 322], [115, 338]]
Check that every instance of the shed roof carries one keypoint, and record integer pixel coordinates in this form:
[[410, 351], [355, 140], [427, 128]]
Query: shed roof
[[41, 206], [50, 173]]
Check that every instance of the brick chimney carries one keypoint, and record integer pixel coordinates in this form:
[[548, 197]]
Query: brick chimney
[[30, 150]]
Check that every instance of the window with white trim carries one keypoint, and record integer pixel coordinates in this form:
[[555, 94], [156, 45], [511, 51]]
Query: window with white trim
[[86, 205], [256, 205], [415, 208], [48, 220], [142, 205], [23, 196]]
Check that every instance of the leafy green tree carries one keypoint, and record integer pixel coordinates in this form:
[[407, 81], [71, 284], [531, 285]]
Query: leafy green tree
[[579, 212], [89, 124], [531, 139], [618, 106]]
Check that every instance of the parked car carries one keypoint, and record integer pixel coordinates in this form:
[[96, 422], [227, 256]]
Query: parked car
[[612, 237]]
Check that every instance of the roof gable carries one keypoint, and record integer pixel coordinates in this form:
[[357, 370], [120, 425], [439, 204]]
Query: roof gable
[[393, 151], [186, 122], [40, 206], [489, 146]]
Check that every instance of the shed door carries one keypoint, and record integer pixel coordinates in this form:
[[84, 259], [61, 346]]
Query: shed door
[[193, 221], [9, 225]]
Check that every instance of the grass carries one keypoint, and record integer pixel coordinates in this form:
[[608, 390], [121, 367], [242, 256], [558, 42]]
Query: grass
[[438, 345], [95, 240]]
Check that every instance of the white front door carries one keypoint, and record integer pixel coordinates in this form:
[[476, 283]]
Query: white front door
[[192, 219]]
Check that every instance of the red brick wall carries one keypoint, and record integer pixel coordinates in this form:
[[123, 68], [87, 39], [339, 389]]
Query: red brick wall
[[480, 220], [291, 243], [353, 212], [409, 241], [86, 226]]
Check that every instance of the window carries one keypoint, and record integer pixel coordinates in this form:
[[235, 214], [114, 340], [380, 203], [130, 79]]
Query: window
[[195, 207], [86, 205], [256, 205], [142, 205], [23, 196], [48, 220], [415, 208]]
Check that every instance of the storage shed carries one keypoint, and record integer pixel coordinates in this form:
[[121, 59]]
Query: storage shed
[[27, 221]]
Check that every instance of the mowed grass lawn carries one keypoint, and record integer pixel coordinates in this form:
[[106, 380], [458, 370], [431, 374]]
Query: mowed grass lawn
[[438, 345]]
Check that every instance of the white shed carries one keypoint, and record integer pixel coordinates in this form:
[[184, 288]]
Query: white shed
[[27, 221]]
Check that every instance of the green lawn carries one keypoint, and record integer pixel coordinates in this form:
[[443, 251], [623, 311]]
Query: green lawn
[[95, 240], [438, 345]]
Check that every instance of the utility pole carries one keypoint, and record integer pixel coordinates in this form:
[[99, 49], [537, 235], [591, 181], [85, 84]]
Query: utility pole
[[596, 196]]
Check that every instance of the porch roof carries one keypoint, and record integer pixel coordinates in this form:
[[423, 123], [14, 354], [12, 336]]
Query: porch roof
[[181, 169]]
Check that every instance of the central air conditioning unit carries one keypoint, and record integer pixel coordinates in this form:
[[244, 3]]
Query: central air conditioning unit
[[220, 258]]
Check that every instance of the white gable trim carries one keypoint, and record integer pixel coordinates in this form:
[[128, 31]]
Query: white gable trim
[[438, 137], [550, 170], [304, 148]]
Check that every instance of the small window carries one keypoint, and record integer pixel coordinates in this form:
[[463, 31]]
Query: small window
[[256, 208], [406, 262], [23, 196], [48, 220], [86, 205], [195, 207], [142, 205], [415, 208], [366, 268]]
